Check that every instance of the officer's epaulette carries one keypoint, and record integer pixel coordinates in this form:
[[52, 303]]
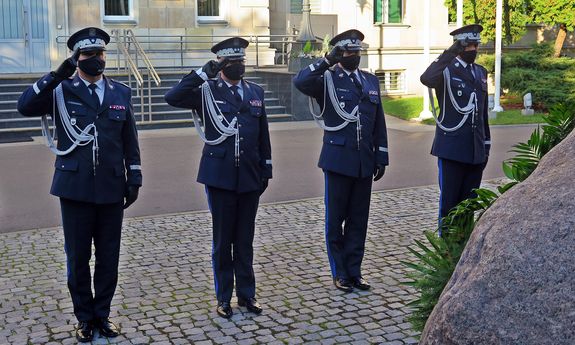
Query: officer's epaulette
[[119, 82]]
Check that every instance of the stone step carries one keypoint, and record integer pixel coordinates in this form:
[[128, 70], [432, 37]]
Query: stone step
[[10, 96]]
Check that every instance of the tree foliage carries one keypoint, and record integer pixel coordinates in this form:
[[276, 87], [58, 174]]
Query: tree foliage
[[552, 12], [515, 17], [560, 13]]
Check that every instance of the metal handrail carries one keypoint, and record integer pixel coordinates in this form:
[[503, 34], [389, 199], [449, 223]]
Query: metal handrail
[[133, 67], [128, 59], [181, 42], [147, 62]]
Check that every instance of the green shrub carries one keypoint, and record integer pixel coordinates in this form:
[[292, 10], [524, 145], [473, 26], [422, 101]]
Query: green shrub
[[487, 61], [550, 80]]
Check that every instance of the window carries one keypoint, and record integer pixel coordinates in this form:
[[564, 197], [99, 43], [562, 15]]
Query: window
[[210, 10], [118, 10], [388, 11], [296, 6], [392, 82]]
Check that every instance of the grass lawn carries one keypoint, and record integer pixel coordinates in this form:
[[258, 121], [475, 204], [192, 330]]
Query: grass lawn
[[410, 107]]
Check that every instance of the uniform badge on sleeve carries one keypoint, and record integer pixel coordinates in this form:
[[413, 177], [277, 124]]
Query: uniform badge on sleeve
[[256, 103], [117, 107]]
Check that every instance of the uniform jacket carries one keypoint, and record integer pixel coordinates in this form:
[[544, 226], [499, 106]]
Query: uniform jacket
[[471, 143], [340, 153], [217, 165], [119, 153]]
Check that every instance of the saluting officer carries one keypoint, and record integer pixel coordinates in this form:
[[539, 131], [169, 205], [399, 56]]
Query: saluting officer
[[235, 165], [97, 147], [462, 139], [354, 149]]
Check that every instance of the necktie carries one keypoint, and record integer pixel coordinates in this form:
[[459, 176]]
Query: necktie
[[355, 80], [95, 98], [469, 70], [235, 90]]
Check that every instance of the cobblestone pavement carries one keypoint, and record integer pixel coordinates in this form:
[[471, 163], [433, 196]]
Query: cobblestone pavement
[[165, 291]]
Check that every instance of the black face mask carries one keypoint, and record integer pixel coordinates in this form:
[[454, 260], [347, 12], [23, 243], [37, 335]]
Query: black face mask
[[468, 56], [235, 71], [350, 63], [93, 66]]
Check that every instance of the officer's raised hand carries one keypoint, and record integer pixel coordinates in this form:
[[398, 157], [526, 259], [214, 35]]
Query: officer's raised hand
[[68, 67], [457, 47], [131, 195], [334, 56], [212, 68], [379, 171]]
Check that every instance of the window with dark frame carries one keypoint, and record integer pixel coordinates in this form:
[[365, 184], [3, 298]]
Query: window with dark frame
[[117, 8], [208, 8]]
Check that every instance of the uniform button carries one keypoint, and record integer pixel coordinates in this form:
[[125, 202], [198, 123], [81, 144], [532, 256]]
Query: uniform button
[[211, 153], [241, 138], [241, 152], [240, 125], [62, 166]]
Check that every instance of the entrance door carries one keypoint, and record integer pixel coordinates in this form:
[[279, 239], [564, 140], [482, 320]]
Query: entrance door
[[24, 45]]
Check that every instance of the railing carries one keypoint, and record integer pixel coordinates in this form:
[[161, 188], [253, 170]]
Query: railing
[[123, 42], [130, 35], [176, 51], [129, 39]]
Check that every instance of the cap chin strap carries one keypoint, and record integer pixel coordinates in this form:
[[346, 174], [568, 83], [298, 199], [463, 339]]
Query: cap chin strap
[[78, 136], [221, 125], [347, 118], [470, 108]]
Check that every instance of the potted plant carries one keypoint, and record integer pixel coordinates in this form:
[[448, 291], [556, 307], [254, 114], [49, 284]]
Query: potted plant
[[301, 58]]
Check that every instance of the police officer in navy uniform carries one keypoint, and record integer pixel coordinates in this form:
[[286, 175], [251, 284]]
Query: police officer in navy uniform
[[462, 139], [97, 171], [351, 155], [234, 167]]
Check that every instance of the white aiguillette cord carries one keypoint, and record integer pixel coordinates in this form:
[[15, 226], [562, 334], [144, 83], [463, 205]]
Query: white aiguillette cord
[[217, 119], [354, 116], [78, 136]]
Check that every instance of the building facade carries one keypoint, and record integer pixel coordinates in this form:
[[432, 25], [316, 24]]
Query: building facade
[[33, 32]]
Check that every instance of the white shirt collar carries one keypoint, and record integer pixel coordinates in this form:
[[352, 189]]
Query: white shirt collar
[[356, 72], [100, 83], [463, 63], [239, 85]]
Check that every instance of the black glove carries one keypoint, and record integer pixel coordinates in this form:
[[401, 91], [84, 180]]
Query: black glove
[[68, 67], [457, 47], [212, 68], [131, 195], [379, 171], [264, 185], [334, 56]]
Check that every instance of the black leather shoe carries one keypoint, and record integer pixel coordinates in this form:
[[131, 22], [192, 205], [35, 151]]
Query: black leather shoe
[[107, 328], [343, 284], [251, 304], [224, 310], [84, 332], [361, 283]]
